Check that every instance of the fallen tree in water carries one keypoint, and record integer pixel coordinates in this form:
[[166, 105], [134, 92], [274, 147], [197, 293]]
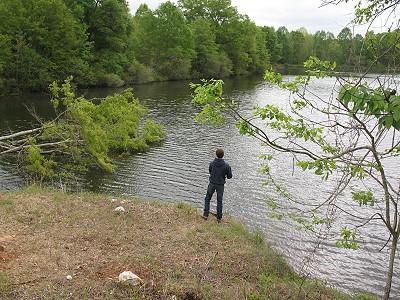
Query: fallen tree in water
[[83, 135]]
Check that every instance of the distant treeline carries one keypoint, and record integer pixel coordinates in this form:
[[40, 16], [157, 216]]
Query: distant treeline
[[101, 43]]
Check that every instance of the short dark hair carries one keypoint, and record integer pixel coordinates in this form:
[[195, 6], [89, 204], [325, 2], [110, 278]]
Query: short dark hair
[[220, 153]]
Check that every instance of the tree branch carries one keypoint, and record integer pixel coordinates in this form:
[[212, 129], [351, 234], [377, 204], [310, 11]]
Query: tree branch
[[21, 133], [16, 149]]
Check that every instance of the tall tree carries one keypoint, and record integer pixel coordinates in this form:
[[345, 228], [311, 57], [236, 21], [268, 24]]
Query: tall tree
[[109, 29], [209, 61], [297, 50], [48, 43], [217, 11], [261, 59], [6, 59], [164, 41], [144, 42], [320, 46], [324, 45], [345, 42], [236, 35], [272, 44], [238, 38], [282, 34], [175, 47]]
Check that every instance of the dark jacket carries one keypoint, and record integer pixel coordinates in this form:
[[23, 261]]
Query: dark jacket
[[219, 170]]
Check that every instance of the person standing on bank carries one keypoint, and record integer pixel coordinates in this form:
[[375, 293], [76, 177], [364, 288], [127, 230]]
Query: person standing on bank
[[219, 170]]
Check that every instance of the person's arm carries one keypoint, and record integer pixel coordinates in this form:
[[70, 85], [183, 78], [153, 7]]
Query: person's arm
[[229, 172]]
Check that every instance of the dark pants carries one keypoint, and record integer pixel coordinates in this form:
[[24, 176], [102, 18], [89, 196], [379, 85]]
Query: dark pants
[[220, 193]]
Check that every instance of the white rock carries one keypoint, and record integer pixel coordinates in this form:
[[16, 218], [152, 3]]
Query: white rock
[[69, 277], [130, 277], [119, 209]]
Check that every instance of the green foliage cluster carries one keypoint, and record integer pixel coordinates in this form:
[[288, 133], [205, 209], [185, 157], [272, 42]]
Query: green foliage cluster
[[39, 165], [40, 41], [101, 43], [382, 104], [348, 239], [86, 134]]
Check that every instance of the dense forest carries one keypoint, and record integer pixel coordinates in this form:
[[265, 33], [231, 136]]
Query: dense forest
[[101, 43]]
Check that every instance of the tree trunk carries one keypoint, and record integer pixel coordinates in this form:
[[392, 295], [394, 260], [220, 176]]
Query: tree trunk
[[391, 266]]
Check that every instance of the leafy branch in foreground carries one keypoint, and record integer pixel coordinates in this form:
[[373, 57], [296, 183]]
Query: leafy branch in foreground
[[84, 134], [349, 140]]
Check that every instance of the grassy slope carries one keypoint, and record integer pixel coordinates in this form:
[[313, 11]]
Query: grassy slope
[[48, 235]]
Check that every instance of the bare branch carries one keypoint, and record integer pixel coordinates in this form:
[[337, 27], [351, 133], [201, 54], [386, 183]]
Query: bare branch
[[16, 149], [21, 133]]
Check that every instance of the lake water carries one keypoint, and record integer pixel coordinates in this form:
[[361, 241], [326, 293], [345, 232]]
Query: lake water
[[177, 171]]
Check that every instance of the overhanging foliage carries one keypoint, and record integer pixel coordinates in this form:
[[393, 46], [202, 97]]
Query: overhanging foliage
[[84, 134]]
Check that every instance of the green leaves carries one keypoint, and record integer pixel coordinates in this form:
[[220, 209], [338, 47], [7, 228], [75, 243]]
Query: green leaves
[[271, 112], [88, 133], [47, 41], [39, 166], [209, 92], [113, 126], [364, 198], [383, 104], [323, 167], [319, 68], [348, 239], [315, 63], [208, 96], [163, 41], [273, 77], [357, 171], [153, 133], [245, 128]]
